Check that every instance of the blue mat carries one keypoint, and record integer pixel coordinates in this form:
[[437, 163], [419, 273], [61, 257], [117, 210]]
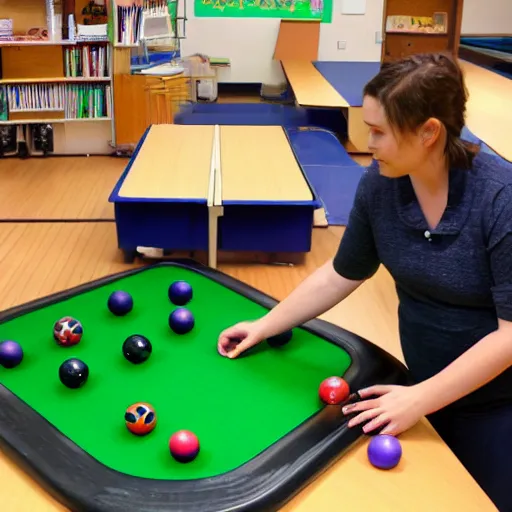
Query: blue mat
[[329, 169], [261, 114], [349, 78], [253, 114]]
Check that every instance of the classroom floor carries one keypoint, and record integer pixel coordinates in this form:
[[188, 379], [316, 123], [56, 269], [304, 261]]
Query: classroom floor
[[57, 231]]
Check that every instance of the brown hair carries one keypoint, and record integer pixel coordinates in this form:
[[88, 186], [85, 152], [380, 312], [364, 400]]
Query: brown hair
[[424, 86]]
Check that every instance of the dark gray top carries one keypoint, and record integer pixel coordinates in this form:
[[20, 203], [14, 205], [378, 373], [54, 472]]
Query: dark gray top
[[454, 281]]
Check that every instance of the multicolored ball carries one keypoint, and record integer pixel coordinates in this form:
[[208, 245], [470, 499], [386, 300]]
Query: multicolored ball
[[68, 331], [140, 418]]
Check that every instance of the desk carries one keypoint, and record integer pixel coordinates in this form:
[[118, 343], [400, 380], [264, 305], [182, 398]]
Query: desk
[[313, 89], [340, 85], [489, 107], [211, 188]]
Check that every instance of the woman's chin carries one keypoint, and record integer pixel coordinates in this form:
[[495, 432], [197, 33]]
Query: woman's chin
[[388, 171]]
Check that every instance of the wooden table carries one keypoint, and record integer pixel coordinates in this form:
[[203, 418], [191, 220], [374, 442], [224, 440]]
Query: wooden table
[[311, 89], [488, 109], [214, 188]]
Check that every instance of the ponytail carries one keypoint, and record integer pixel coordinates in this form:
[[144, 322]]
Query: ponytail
[[460, 153]]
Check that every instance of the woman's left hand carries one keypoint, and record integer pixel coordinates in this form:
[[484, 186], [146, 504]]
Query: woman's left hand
[[397, 407]]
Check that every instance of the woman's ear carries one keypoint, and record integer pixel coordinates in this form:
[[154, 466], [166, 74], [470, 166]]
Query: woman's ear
[[430, 132]]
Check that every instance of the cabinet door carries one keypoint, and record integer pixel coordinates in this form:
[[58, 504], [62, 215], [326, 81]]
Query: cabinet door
[[130, 109]]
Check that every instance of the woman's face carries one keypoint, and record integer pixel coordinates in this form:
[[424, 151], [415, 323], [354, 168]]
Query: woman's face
[[396, 156]]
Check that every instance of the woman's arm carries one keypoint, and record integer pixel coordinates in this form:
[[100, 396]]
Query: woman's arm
[[487, 359], [318, 293], [398, 408]]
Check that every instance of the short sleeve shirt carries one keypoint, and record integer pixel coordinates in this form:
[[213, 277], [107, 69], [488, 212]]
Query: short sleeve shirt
[[453, 282]]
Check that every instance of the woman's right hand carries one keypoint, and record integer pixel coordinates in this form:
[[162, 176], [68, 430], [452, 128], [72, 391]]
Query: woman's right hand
[[238, 338]]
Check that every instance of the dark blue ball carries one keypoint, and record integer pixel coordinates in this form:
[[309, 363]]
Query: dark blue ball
[[11, 354], [181, 320], [180, 293], [120, 303], [280, 339], [73, 373]]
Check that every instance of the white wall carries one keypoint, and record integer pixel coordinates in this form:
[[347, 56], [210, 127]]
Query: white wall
[[487, 17], [250, 43]]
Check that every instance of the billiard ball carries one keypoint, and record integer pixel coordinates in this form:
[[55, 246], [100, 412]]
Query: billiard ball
[[11, 354], [120, 303], [137, 348], [280, 339], [67, 331], [384, 451], [181, 320], [73, 373], [333, 390], [180, 293], [184, 446], [140, 418]]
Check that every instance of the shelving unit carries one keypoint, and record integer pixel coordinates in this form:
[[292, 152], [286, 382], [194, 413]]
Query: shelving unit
[[59, 85], [62, 80], [416, 35]]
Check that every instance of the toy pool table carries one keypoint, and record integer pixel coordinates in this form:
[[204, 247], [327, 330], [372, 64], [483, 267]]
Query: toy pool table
[[263, 431]]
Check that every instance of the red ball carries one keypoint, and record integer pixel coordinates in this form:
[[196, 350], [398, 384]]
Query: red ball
[[333, 390], [184, 446]]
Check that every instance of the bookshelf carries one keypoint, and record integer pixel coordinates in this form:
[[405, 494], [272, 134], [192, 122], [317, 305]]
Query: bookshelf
[[417, 26], [53, 80], [65, 71]]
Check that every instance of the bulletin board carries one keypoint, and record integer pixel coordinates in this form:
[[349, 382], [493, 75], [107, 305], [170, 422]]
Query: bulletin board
[[284, 9]]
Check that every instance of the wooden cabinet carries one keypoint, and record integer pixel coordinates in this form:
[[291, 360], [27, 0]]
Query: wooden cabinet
[[419, 26]]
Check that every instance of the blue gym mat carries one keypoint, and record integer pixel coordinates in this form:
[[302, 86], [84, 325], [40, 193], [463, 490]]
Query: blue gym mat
[[349, 78], [329, 169], [254, 114]]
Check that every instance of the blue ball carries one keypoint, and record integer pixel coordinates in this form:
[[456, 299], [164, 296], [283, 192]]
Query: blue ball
[[280, 339], [180, 293], [181, 320], [120, 303], [11, 354]]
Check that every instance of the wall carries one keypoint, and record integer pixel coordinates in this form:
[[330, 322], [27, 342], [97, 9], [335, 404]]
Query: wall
[[250, 43], [487, 17]]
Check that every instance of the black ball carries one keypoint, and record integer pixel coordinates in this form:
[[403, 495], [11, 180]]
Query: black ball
[[73, 373], [137, 349]]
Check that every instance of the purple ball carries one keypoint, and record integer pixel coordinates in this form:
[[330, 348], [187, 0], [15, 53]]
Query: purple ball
[[181, 320], [11, 354], [120, 303], [384, 451], [180, 293]]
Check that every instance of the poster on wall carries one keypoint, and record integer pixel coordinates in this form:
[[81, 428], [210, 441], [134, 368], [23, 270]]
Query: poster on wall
[[284, 9]]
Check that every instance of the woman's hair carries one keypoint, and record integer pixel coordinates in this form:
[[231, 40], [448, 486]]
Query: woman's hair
[[424, 86]]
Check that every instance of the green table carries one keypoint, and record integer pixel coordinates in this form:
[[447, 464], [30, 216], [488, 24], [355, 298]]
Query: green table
[[263, 431]]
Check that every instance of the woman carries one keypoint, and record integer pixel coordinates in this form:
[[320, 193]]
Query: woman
[[438, 215]]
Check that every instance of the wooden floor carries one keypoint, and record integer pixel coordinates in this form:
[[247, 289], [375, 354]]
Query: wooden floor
[[58, 188]]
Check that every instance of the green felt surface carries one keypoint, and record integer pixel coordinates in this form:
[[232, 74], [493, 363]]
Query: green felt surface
[[237, 408]]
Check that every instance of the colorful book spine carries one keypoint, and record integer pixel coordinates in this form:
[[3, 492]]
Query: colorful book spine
[[78, 101], [89, 61]]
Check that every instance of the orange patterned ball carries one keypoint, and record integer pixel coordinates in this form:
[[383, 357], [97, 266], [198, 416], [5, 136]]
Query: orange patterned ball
[[140, 418]]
